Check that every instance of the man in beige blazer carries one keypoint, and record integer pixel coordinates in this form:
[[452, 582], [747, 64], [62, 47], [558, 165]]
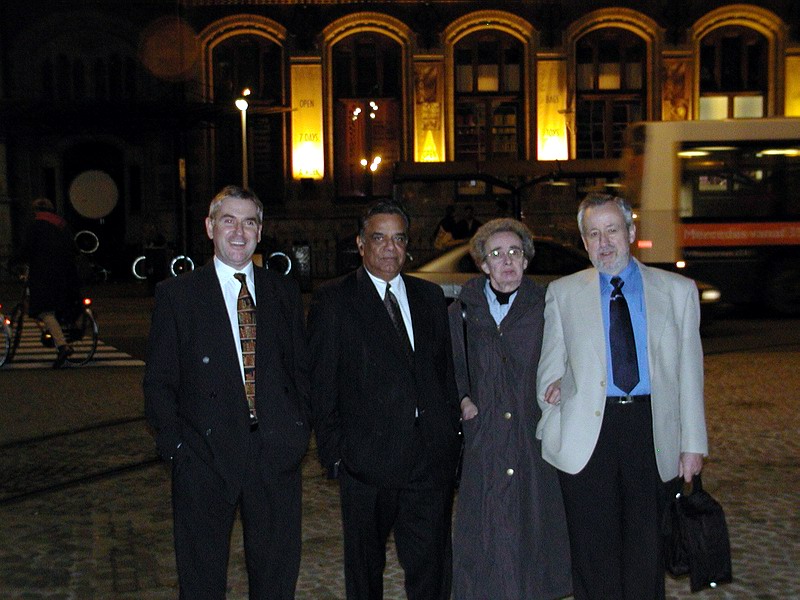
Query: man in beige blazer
[[615, 425]]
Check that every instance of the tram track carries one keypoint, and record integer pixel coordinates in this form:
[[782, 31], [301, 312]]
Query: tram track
[[61, 460]]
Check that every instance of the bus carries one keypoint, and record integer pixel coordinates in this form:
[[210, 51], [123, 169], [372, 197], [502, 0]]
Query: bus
[[720, 201]]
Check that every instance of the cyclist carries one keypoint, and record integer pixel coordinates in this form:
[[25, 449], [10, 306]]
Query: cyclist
[[50, 253]]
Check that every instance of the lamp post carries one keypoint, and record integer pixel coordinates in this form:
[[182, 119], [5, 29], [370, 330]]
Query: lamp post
[[241, 104]]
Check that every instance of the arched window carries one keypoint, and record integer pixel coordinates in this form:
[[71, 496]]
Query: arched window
[[256, 63], [248, 61], [367, 97], [733, 73], [488, 87], [610, 89]]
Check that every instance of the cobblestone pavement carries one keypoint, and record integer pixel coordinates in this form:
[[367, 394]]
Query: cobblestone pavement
[[109, 536]]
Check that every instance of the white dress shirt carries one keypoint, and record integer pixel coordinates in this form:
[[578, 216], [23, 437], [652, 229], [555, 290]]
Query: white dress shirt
[[399, 290], [230, 291]]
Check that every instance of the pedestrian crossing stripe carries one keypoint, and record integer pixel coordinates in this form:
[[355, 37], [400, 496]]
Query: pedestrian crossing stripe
[[31, 354]]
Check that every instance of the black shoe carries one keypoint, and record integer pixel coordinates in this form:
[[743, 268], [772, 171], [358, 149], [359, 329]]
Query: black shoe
[[63, 352]]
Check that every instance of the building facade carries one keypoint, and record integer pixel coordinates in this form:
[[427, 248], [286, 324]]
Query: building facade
[[124, 114]]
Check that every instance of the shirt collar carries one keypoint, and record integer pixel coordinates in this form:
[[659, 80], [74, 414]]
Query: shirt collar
[[397, 284], [626, 274], [225, 273]]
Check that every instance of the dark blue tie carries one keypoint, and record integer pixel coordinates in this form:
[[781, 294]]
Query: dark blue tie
[[624, 365]]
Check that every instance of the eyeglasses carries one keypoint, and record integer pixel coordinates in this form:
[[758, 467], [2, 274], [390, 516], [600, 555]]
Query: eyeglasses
[[513, 253], [400, 239]]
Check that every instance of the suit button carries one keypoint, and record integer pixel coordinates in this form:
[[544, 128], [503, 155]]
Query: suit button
[[208, 432], [509, 472], [507, 416], [298, 423], [597, 413], [212, 395], [206, 360]]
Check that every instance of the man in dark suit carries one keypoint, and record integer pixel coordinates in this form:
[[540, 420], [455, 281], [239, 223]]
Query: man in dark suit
[[230, 444], [386, 412]]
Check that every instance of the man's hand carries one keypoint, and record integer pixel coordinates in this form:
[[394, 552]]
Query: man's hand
[[552, 395], [690, 465], [468, 409]]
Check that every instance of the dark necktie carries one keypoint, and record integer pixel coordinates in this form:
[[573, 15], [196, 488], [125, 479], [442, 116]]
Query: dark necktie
[[246, 310], [393, 307], [624, 365]]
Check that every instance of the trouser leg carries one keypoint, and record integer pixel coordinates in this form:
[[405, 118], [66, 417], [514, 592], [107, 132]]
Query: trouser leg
[[613, 512], [367, 517], [422, 536], [54, 328], [271, 513], [203, 520]]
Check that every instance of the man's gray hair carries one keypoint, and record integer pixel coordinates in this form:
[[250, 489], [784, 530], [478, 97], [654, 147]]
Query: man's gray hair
[[237, 193], [595, 199]]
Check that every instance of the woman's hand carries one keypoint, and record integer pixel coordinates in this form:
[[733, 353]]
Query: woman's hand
[[468, 409], [552, 395]]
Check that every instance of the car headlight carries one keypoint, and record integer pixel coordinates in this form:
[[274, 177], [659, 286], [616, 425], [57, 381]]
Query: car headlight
[[710, 295]]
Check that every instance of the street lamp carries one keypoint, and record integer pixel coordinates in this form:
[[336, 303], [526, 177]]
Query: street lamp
[[241, 104]]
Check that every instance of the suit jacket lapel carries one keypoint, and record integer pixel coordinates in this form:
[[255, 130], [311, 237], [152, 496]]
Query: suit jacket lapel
[[266, 314], [656, 306], [215, 319], [420, 325], [375, 316], [587, 300]]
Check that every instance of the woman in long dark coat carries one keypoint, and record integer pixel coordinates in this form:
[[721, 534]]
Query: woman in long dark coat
[[510, 537]]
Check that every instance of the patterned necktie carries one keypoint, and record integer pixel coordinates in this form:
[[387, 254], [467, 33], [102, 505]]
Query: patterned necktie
[[246, 309], [393, 307], [624, 365]]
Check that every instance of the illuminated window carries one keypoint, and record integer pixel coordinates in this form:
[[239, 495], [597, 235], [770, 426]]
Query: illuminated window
[[610, 82], [367, 92], [733, 73], [488, 96]]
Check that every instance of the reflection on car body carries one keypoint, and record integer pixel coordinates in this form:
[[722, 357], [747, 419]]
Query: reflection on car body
[[553, 259]]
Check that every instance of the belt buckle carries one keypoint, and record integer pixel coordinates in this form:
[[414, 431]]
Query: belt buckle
[[626, 399]]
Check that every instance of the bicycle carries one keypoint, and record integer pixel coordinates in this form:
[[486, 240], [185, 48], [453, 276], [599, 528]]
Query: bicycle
[[82, 333], [88, 243]]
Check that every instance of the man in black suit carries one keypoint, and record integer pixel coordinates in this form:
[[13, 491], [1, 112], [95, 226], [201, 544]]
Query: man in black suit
[[386, 412], [228, 450]]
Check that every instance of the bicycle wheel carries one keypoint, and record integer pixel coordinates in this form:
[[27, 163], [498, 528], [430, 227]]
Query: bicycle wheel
[[5, 340], [15, 325], [181, 264], [139, 268], [83, 336]]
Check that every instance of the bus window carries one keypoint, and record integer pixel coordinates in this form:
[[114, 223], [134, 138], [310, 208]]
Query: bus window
[[739, 182]]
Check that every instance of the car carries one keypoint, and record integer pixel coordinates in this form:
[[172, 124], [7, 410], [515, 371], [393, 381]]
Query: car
[[553, 259]]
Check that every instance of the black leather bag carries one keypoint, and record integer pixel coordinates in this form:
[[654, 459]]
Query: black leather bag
[[696, 536]]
